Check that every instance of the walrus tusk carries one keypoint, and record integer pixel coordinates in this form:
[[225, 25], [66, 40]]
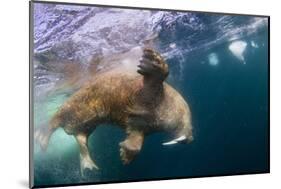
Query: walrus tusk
[[174, 141], [170, 143]]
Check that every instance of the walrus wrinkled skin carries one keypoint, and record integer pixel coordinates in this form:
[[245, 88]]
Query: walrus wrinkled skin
[[138, 101]]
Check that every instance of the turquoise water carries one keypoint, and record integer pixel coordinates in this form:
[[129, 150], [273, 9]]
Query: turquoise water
[[228, 98]]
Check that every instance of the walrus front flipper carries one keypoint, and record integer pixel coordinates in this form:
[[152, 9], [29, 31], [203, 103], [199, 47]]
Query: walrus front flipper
[[131, 146], [85, 160], [153, 65]]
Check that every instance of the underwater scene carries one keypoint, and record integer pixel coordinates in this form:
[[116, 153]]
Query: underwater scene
[[208, 87]]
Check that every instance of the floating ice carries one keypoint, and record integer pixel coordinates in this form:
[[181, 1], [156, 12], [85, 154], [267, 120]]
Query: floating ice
[[213, 59], [173, 45], [237, 48], [253, 44]]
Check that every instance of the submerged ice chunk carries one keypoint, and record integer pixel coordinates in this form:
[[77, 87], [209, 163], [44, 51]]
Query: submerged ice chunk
[[213, 59], [237, 48], [253, 44]]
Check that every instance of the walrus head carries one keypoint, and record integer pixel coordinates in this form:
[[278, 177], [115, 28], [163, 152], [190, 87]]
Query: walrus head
[[182, 130], [153, 65]]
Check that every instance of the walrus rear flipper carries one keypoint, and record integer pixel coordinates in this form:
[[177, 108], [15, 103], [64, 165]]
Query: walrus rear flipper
[[42, 136]]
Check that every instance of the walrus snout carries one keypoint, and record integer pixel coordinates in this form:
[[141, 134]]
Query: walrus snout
[[189, 139], [189, 135]]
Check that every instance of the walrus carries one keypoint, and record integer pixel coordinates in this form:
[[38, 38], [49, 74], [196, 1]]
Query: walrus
[[137, 100]]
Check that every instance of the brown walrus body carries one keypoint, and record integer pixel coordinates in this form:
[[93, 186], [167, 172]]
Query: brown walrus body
[[139, 101]]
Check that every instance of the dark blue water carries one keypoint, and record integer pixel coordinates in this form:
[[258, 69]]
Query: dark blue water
[[229, 105]]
